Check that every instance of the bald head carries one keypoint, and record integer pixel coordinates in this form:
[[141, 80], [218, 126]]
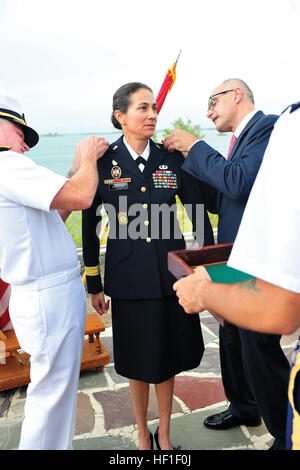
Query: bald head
[[229, 103], [238, 83]]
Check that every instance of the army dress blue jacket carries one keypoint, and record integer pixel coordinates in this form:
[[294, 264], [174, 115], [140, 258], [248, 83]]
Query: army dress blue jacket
[[136, 266]]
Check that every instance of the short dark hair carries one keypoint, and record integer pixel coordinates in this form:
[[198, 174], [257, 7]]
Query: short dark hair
[[121, 99]]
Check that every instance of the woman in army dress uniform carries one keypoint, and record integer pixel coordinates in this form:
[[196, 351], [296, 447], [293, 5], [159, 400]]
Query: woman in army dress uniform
[[153, 338]]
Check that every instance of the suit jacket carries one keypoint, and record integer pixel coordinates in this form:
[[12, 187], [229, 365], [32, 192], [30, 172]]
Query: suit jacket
[[137, 268], [227, 183]]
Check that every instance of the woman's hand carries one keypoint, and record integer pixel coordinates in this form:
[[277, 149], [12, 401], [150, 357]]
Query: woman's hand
[[99, 304]]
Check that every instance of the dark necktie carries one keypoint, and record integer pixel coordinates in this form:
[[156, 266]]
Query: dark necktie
[[232, 142], [140, 160]]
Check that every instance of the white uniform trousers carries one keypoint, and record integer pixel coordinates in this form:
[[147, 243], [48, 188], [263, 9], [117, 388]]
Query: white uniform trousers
[[48, 316]]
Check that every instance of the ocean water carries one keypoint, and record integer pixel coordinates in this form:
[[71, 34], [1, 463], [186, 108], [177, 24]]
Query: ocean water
[[56, 152]]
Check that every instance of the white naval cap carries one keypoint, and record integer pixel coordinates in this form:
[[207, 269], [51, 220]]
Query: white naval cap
[[11, 110]]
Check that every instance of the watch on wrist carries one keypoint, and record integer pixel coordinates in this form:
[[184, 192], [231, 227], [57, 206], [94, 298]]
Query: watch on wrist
[[70, 174]]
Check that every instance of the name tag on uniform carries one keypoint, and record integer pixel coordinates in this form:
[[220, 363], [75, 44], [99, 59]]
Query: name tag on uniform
[[117, 184], [164, 179]]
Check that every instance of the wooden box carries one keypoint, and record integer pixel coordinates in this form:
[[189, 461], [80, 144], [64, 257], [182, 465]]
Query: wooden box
[[214, 258]]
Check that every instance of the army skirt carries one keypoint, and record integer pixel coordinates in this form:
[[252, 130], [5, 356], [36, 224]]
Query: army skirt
[[154, 339]]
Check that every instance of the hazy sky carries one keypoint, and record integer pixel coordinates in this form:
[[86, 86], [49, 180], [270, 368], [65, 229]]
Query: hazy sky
[[64, 59]]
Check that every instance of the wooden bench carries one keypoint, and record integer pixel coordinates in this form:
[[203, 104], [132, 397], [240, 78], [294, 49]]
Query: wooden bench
[[15, 365]]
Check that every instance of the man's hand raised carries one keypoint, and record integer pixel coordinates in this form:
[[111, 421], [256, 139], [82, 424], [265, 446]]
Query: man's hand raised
[[92, 147], [179, 140]]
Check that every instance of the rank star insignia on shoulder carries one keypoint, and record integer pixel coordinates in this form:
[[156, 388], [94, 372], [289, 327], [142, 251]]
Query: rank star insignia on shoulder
[[160, 146]]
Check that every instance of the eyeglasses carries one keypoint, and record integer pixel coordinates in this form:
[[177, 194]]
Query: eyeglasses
[[211, 101]]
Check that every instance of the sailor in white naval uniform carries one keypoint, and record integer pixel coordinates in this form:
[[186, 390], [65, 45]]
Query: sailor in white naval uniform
[[39, 259]]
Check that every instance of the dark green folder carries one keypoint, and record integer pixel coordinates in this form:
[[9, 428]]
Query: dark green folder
[[220, 272]]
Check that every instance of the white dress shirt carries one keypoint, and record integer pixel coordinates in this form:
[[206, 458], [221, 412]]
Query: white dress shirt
[[134, 155], [243, 124], [34, 241]]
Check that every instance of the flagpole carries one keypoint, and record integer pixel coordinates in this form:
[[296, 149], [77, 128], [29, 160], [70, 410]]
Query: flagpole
[[167, 85], [178, 56]]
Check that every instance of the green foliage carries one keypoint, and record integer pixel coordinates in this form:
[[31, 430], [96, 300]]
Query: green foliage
[[154, 137], [214, 219], [184, 222], [73, 224], [188, 127]]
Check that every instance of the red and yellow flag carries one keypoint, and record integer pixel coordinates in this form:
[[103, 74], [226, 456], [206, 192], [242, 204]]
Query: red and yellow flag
[[167, 85]]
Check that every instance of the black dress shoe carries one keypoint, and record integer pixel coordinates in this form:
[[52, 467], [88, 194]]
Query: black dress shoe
[[151, 440], [157, 441], [278, 444], [226, 420]]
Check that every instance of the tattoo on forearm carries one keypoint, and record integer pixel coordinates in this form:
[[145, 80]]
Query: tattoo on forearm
[[249, 285]]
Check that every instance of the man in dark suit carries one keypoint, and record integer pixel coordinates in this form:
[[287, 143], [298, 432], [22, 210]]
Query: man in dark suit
[[254, 368]]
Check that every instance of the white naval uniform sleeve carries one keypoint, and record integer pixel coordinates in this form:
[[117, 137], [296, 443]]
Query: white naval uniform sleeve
[[267, 244], [26, 183]]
